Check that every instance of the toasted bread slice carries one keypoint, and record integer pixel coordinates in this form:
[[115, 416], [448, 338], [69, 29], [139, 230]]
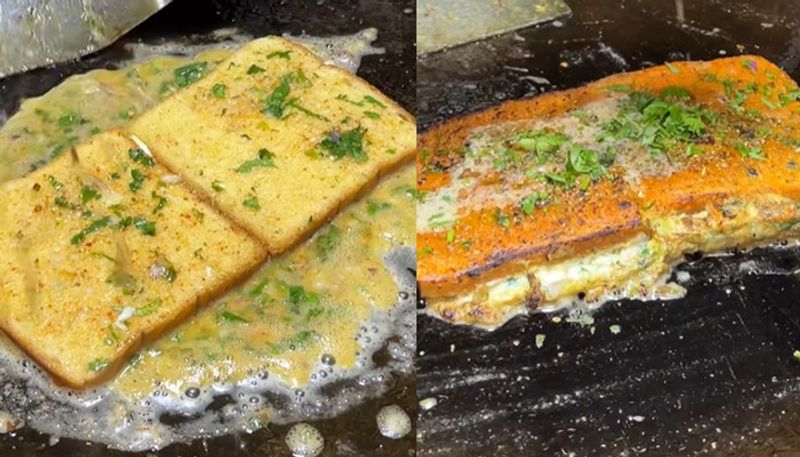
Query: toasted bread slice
[[635, 169], [101, 250], [277, 139]]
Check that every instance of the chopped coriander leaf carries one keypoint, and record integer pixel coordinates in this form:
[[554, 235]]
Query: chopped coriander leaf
[[264, 160], [374, 207], [373, 101], [137, 179], [127, 115], [227, 316], [346, 144], [258, 290], [693, 150], [93, 227], [217, 186], [190, 74], [753, 152], [279, 55], [161, 202], [345, 98], [451, 236], [502, 219], [372, 114], [64, 203], [146, 227], [528, 204], [541, 142], [59, 148], [791, 96], [89, 193], [275, 104], [70, 120], [624, 88], [140, 157], [327, 241], [293, 103], [658, 122], [98, 365], [54, 182], [149, 308], [251, 203], [298, 295], [254, 69], [218, 90], [675, 92]]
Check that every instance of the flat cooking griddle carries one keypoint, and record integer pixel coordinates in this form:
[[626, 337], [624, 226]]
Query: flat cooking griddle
[[353, 433], [710, 374]]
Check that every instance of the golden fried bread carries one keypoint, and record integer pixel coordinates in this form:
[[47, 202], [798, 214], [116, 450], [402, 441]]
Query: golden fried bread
[[103, 249], [534, 200], [278, 140]]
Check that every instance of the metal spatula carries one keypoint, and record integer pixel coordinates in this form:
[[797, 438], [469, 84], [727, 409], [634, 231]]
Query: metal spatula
[[446, 23], [34, 33]]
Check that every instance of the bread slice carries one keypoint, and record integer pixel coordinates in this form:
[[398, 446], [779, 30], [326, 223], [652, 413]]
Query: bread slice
[[277, 139], [103, 249]]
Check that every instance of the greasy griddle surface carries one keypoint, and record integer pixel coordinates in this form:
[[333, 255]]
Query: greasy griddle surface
[[709, 374], [393, 73]]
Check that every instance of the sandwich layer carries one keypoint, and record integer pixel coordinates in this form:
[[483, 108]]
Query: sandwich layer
[[598, 190]]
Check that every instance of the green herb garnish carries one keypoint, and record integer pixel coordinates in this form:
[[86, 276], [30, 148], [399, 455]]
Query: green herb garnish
[[227, 316], [750, 152], [89, 193], [502, 219], [265, 160], [218, 90], [279, 55], [190, 74], [346, 144], [254, 69], [149, 308], [252, 203], [93, 227], [137, 179], [374, 207], [327, 241], [98, 365], [528, 204], [140, 157]]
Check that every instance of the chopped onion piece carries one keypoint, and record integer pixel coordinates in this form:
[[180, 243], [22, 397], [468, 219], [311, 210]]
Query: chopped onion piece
[[142, 146], [124, 315], [171, 179]]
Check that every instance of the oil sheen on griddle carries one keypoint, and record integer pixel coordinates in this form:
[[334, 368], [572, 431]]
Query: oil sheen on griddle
[[304, 320]]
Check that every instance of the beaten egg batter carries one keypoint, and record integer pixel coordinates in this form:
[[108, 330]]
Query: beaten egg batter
[[299, 315]]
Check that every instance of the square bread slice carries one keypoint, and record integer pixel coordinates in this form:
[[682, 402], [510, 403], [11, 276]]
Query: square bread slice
[[277, 139], [102, 249]]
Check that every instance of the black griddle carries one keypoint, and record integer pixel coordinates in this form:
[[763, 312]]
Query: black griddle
[[352, 433], [710, 374]]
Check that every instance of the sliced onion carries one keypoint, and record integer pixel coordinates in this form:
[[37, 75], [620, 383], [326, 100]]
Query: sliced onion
[[141, 145]]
